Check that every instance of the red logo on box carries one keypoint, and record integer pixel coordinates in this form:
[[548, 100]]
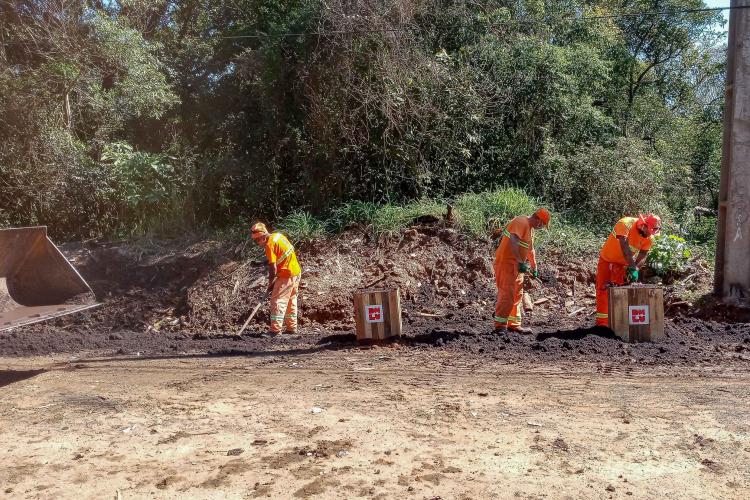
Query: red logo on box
[[638, 315], [374, 314]]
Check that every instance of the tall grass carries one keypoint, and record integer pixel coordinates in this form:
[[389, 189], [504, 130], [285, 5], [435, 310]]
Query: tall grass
[[382, 219], [302, 226], [476, 214], [480, 213]]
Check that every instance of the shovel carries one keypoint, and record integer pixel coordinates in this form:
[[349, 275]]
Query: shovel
[[263, 298]]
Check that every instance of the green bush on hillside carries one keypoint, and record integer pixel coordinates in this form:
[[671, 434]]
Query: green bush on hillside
[[669, 255], [600, 184], [381, 219], [476, 214], [302, 226], [479, 213]]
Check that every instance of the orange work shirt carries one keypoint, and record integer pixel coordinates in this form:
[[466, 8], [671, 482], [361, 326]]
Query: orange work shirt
[[611, 251], [280, 252], [521, 227]]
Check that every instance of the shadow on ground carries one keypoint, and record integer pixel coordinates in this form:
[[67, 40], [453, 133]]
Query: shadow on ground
[[579, 333], [8, 377]]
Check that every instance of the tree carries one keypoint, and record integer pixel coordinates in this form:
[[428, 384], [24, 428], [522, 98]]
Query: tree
[[71, 80], [667, 32]]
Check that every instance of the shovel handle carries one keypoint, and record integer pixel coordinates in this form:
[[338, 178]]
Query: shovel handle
[[247, 321], [264, 296]]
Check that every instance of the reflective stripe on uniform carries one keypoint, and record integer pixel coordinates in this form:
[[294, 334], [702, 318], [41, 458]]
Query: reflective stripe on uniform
[[629, 226], [522, 243], [285, 255], [500, 320], [602, 315]]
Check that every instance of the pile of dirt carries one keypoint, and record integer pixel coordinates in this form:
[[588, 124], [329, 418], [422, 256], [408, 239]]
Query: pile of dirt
[[434, 267], [191, 296], [689, 341], [709, 307]]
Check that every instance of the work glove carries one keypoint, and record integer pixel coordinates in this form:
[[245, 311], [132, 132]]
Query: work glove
[[632, 274], [524, 267], [535, 273]]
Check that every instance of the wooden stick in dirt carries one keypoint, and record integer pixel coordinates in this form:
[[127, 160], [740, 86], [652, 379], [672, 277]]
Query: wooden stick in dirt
[[430, 315], [375, 282], [686, 280], [247, 322], [573, 313], [678, 303]]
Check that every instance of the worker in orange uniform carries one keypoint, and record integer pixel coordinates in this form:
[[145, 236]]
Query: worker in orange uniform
[[283, 277], [513, 258], [621, 257]]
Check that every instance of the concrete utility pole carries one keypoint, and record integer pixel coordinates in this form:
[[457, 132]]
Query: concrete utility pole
[[732, 279]]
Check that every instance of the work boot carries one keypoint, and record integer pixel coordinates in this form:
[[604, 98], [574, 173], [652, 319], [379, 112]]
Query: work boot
[[500, 329], [291, 332], [520, 329], [269, 335]]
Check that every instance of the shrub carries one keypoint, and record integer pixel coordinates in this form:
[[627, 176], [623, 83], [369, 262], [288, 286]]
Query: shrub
[[479, 213], [603, 184], [701, 234], [569, 238], [669, 255], [302, 226], [381, 219], [149, 189]]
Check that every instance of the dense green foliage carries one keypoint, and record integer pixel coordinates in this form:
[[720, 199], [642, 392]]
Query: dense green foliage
[[124, 116]]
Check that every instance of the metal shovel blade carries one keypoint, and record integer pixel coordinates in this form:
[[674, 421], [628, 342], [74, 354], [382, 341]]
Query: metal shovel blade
[[36, 280]]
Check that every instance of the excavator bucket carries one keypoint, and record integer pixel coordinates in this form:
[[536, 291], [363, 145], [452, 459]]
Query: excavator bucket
[[36, 280]]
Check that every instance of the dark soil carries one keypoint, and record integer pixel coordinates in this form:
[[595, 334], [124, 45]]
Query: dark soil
[[181, 298]]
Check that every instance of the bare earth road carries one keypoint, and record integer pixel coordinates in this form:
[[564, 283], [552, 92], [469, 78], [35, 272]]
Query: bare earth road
[[379, 423]]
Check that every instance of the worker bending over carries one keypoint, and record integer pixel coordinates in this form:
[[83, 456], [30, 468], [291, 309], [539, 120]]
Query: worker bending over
[[513, 258], [283, 277], [621, 257]]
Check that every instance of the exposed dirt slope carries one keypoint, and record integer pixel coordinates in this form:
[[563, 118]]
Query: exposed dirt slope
[[182, 297]]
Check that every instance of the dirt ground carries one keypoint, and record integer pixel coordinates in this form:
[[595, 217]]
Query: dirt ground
[[178, 297], [375, 423], [153, 394]]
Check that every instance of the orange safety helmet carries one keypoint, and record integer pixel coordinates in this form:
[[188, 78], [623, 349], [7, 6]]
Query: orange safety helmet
[[259, 229], [652, 223], [543, 215]]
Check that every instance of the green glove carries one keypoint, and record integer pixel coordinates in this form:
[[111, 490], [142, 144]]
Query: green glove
[[524, 267], [535, 273], [632, 274]]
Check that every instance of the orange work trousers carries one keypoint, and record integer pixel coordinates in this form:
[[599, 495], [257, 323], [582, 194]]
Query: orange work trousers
[[509, 294], [284, 304], [607, 274]]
